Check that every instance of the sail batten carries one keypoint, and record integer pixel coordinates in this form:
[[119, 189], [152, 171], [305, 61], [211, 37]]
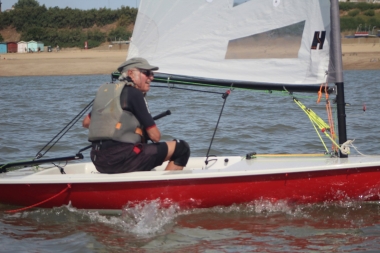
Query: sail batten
[[267, 42]]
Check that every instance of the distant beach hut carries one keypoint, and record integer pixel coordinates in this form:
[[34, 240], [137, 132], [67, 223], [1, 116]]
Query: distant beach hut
[[32, 46], [3, 47], [40, 45], [12, 47], [22, 47]]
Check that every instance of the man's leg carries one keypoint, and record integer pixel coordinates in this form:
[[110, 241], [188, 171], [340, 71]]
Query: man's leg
[[178, 154]]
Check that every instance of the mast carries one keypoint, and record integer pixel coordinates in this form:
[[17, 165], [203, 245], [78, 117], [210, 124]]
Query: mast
[[336, 53]]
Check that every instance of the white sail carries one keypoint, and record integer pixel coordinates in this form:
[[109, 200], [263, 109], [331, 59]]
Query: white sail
[[266, 41]]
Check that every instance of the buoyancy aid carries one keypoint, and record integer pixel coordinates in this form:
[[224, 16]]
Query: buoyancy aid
[[109, 121]]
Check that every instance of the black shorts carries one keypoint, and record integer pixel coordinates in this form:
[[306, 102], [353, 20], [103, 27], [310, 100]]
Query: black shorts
[[128, 157]]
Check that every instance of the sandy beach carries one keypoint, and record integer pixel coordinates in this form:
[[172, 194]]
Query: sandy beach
[[64, 62], [358, 54]]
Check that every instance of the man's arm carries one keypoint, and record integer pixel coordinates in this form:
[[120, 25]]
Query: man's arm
[[138, 106], [154, 133]]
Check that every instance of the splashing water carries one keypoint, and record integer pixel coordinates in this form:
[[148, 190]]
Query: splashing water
[[149, 217]]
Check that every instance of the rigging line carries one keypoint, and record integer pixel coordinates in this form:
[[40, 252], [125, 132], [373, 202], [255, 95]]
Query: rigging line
[[331, 120], [71, 124], [63, 132], [329, 113], [225, 95], [347, 145]]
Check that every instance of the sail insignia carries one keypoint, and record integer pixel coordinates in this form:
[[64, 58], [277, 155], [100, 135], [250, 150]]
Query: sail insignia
[[319, 39]]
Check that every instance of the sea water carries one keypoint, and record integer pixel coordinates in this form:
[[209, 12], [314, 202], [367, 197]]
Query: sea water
[[35, 109]]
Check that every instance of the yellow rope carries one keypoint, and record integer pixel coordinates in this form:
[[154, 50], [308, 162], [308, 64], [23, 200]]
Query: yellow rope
[[317, 121], [320, 123], [320, 137], [288, 155]]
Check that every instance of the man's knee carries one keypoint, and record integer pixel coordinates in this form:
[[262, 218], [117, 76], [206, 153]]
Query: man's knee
[[181, 153]]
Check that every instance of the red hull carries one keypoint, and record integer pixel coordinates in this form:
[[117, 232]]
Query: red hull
[[304, 187]]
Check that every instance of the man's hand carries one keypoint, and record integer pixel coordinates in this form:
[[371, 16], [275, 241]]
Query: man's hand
[[86, 121]]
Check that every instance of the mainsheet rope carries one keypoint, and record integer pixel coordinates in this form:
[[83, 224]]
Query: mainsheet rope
[[40, 203]]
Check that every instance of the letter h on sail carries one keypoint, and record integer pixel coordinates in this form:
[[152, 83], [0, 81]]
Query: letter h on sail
[[318, 40]]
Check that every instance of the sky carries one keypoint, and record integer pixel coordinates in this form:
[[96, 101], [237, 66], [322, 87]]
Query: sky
[[77, 4]]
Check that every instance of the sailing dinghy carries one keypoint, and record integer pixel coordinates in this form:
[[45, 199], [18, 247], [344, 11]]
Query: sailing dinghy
[[286, 45]]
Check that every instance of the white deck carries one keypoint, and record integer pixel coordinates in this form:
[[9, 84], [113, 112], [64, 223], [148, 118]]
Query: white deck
[[196, 168]]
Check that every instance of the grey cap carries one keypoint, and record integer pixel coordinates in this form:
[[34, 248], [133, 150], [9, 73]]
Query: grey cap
[[136, 62]]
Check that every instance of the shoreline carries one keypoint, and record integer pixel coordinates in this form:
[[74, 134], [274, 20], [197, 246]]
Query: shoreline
[[357, 55]]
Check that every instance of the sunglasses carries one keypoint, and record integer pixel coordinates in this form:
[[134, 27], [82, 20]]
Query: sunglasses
[[147, 73]]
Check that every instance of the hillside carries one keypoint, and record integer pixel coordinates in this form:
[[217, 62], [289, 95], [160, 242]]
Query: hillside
[[10, 34], [67, 27]]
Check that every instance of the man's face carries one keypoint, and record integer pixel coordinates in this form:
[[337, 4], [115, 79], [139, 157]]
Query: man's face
[[142, 79]]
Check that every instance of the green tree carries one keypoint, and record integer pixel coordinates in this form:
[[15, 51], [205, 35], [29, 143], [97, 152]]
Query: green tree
[[353, 13], [1, 38], [67, 27], [26, 3], [346, 6], [119, 33], [369, 13], [365, 6], [125, 20], [33, 33]]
